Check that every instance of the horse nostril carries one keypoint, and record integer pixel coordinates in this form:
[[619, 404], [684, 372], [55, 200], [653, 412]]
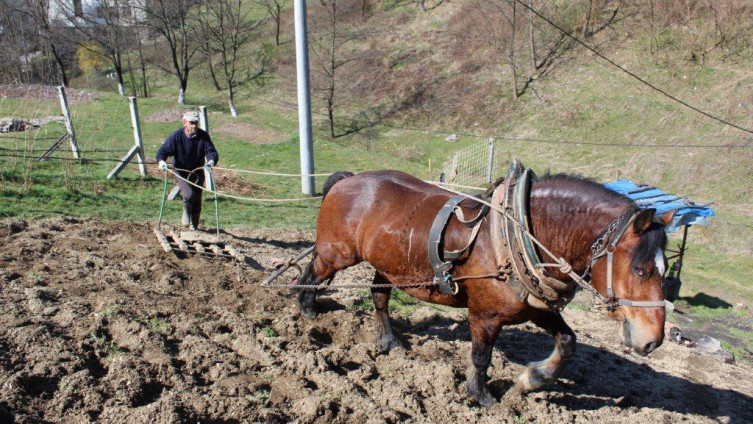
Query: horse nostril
[[649, 347]]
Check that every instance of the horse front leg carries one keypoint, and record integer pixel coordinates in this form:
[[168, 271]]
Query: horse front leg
[[541, 373], [315, 273], [381, 298], [484, 332]]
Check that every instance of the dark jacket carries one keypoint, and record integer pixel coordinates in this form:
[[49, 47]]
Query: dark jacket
[[188, 153]]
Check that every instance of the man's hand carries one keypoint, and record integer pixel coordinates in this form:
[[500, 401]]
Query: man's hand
[[209, 164], [162, 165]]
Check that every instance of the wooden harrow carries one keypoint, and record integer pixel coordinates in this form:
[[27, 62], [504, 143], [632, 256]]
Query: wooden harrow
[[194, 242]]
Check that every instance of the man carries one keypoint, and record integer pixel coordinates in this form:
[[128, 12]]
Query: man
[[192, 149]]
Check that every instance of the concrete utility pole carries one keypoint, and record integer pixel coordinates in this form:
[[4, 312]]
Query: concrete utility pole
[[304, 98]]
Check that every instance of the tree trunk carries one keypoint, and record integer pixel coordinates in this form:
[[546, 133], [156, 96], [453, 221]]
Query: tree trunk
[[142, 62], [182, 96], [511, 53], [277, 26], [331, 116], [212, 74], [422, 5], [60, 65], [121, 85], [531, 36], [587, 21], [230, 100]]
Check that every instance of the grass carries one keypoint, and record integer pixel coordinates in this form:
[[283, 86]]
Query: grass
[[160, 326]]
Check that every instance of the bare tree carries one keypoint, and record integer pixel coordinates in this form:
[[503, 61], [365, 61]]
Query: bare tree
[[206, 50], [274, 8], [48, 31], [498, 29], [170, 19], [142, 61], [226, 28], [17, 33], [331, 51], [107, 26]]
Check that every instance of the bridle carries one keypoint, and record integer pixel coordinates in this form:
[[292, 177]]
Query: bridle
[[605, 245]]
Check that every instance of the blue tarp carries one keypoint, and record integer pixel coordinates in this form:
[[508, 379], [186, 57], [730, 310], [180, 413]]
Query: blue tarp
[[688, 211]]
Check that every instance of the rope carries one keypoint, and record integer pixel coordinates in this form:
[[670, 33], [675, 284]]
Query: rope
[[443, 184], [278, 174], [249, 199], [162, 208], [216, 210]]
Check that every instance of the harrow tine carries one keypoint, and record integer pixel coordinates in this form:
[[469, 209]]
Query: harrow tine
[[292, 262]]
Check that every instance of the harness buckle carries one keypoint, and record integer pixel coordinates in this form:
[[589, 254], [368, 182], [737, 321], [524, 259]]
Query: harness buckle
[[446, 284]]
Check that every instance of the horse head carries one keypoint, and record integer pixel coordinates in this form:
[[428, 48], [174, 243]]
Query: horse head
[[637, 273]]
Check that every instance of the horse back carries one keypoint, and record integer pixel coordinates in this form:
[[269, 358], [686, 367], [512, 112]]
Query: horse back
[[382, 217]]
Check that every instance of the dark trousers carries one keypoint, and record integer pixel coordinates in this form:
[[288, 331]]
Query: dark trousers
[[192, 194]]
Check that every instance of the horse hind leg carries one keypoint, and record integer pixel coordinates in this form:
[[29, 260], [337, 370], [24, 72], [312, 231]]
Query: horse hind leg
[[381, 298], [541, 373], [316, 272]]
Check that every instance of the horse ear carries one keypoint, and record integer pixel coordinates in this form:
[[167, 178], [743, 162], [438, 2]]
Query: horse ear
[[643, 220], [666, 219]]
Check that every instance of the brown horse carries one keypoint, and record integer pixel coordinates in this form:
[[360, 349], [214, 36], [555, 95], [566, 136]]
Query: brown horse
[[384, 218]]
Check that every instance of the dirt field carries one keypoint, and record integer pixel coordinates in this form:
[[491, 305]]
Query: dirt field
[[98, 324]]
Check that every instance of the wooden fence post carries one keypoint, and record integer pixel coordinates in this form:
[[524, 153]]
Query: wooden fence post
[[68, 122], [69, 133], [203, 122], [137, 150]]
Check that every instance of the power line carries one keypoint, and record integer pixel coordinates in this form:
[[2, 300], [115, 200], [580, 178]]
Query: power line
[[630, 73], [576, 142], [65, 150], [527, 139], [82, 160]]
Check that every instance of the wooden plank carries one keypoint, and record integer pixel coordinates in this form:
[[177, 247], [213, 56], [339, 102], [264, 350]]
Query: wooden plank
[[181, 244], [163, 240], [237, 254], [199, 247]]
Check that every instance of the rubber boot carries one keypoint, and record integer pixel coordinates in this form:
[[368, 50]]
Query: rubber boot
[[195, 214]]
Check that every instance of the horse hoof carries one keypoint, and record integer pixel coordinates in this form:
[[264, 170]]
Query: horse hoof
[[485, 399], [385, 346], [529, 380], [308, 314]]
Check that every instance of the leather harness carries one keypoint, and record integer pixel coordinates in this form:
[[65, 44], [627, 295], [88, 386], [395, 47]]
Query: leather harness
[[517, 259]]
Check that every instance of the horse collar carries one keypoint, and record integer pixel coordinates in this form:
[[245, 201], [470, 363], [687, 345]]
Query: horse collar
[[531, 283]]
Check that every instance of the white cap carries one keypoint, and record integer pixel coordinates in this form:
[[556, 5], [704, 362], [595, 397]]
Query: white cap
[[191, 116]]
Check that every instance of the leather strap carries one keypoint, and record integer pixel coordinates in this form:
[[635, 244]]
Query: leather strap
[[440, 267]]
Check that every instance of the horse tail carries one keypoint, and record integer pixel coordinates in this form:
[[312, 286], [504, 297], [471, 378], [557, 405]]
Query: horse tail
[[333, 179]]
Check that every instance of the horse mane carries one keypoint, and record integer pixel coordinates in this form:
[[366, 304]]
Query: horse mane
[[592, 192], [591, 189]]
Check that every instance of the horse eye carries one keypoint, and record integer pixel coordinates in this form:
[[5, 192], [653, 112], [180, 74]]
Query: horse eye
[[639, 272]]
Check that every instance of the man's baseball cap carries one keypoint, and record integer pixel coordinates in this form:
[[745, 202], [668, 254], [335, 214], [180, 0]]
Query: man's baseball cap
[[191, 116]]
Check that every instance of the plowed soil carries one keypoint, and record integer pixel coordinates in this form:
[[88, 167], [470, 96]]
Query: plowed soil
[[98, 324]]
